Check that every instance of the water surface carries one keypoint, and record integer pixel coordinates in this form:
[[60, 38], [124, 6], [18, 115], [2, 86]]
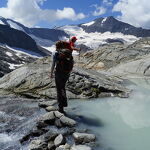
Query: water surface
[[120, 124]]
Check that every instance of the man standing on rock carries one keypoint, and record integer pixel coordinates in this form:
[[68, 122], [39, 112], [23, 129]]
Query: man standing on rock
[[63, 64]]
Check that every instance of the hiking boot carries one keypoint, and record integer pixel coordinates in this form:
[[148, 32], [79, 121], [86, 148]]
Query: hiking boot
[[61, 110]]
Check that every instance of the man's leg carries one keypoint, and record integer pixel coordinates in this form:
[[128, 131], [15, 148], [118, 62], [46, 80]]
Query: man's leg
[[60, 80]]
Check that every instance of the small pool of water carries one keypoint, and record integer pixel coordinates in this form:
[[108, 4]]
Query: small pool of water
[[120, 124]]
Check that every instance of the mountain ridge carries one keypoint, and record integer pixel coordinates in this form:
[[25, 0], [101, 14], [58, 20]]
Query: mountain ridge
[[113, 25]]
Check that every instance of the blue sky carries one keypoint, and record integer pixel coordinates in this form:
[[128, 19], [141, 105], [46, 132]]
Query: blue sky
[[50, 13]]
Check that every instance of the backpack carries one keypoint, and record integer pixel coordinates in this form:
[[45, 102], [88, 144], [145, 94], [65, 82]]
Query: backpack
[[64, 61], [61, 45]]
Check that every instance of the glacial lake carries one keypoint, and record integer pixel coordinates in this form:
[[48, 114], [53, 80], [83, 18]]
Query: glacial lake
[[119, 123]]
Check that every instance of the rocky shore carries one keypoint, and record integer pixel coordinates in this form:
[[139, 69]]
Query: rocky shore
[[56, 131]]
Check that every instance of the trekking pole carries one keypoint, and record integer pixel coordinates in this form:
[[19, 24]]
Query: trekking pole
[[79, 57]]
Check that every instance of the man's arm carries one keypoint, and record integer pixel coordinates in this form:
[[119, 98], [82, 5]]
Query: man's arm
[[76, 49], [53, 65]]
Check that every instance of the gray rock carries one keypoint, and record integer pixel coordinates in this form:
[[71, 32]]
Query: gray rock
[[83, 137], [65, 147], [38, 145], [67, 121], [51, 108], [32, 80], [59, 140], [41, 124], [47, 103], [50, 135], [48, 117], [80, 147], [51, 145], [58, 123], [60, 148], [58, 114]]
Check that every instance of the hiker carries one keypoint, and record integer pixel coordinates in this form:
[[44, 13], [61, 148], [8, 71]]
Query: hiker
[[63, 64]]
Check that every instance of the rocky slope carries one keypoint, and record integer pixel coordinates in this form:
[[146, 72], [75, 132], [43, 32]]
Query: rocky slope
[[110, 55], [11, 60], [32, 80]]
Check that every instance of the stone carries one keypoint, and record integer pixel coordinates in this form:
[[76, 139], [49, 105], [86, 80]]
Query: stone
[[47, 103], [58, 114], [50, 135], [58, 123], [50, 108], [80, 147], [48, 118], [67, 121], [59, 140], [37, 145], [83, 137], [65, 147], [51, 145], [41, 124]]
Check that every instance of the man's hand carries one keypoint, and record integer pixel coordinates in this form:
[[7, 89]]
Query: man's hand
[[51, 75]]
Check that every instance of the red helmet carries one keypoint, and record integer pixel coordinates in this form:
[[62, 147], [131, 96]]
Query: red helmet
[[73, 38]]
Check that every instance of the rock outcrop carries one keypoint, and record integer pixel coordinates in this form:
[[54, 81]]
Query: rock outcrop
[[11, 60], [113, 54], [32, 80]]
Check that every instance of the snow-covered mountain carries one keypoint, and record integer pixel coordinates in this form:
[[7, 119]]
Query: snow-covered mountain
[[90, 35], [110, 24], [95, 39], [105, 30], [42, 36]]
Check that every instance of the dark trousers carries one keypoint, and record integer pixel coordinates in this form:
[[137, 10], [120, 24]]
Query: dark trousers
[[60, 80]]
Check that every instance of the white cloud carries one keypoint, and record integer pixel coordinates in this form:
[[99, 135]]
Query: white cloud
[[108, 2], [99, 10], [29, 12], [135, 12]]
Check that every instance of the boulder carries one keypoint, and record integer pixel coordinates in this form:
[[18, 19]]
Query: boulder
[[80, 147], [46, 104], [51, 145], [38, 145], [65, 147], [51, 108], [59, 140], [83, 137], [49, 136], [58, 114], [67, 121], [48, 118]]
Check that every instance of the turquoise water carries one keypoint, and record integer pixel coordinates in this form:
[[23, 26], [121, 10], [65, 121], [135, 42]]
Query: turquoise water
[[120, 124]]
